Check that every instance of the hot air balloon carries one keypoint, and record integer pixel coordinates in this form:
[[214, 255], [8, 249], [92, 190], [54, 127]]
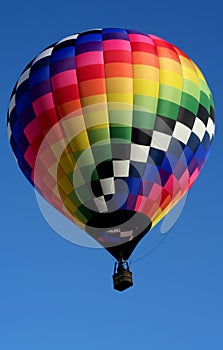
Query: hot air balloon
[[112, 127]]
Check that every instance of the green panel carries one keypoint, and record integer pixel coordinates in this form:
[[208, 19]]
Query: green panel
[[74, 199], [94, 175], [204, 87], [81, 217], [169, 93], [122, 116], [84, 193], [120, 141], [89, 173], [78, 154], [211, 100], [102, 152], [70, 177], [191, 88], [121, 133], [147, 102], [205, 101], [96, 135], [143, 120], [168, 109], [84, 158], [189, 103], [83, 212]]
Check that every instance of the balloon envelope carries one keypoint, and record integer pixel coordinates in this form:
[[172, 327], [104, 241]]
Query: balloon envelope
[[112, 127]]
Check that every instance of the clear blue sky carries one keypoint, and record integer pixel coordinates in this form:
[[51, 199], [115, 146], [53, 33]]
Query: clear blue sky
[[55, 295]]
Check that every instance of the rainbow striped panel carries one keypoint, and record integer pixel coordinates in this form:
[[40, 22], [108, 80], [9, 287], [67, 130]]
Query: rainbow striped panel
[[112, 127]]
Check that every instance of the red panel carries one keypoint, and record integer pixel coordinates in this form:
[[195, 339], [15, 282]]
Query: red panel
[[117, 56], [94, 71]]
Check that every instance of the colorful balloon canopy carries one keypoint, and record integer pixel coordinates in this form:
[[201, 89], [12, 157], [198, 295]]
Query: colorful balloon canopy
[[112, 127]]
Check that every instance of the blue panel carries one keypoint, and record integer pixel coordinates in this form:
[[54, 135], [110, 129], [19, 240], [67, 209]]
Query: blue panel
[[150, 173], [163, 176], [139, 169], [88, 47], [193, 142], [120, 201], [176, 147], [26, 116], [134, 184], [89, 37], [38, 76], [169, 162], [13, 116], [109, 34], [129, 31], [187, 155], [22, 89], [19, 156], [63, 65], [192, 166], [156, 156], [66, 52], [131, 201], [136, 169], [200, 153], [23, 102], [40, 89], [17, 130], [43, 62], [23, 143], [206, 140], [179, 169], [145, 188]]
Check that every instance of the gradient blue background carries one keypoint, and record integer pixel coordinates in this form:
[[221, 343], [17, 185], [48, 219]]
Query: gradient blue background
[[55, 295]]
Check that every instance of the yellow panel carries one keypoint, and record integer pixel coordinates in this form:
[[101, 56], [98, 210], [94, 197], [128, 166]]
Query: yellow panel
[[53, 171], [119, 85], [93, 100], [99, 126], [80, 142], [78, 179], [119, 106], [170, 78], [96, 118], [73, 125], [157, 218], [123, 98], [56, 193], [142, 71], [79, 223], [158, 213], [199, 73], [169, 64], [58, 148], [186, 62], [65, 184], [67, 162], [190, 74], [60, 172], [146, 87], [70, 205]]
